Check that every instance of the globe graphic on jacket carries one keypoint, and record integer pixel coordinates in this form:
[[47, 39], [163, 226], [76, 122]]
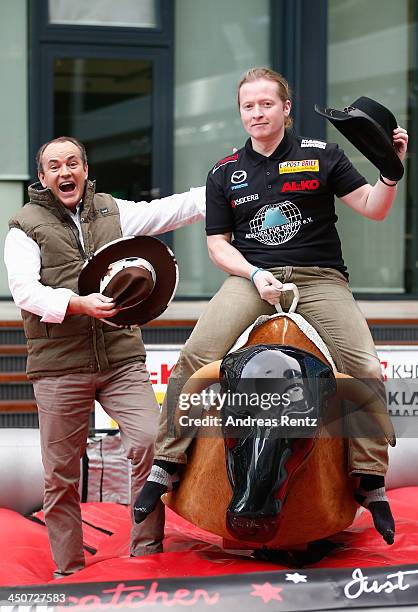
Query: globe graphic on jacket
[[276, 223]]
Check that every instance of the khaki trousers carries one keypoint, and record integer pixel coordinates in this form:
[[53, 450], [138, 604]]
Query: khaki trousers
[[327, 304], [64, 404]]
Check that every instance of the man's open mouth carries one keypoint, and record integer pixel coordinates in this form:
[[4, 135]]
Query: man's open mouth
[[67, 186]]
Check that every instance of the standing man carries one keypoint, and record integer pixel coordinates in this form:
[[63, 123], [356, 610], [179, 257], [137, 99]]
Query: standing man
[[73, 357], [271, 220]]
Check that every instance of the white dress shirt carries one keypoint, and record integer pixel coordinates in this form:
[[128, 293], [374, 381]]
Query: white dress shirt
[[23, 259]]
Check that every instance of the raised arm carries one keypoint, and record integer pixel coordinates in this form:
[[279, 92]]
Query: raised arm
[[375, 202], [163, 215]]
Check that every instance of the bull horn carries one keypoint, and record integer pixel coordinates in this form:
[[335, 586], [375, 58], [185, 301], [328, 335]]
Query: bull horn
[[359, 393], [200, 380]]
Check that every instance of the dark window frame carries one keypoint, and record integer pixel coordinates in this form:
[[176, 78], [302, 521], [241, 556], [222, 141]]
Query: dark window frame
[[47, 43], [108, 35], [298, 51]]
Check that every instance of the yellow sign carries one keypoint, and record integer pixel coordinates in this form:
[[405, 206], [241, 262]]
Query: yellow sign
[[302, 165]]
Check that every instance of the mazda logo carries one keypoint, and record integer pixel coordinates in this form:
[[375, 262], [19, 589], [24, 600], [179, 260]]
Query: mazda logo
[[238, 176]]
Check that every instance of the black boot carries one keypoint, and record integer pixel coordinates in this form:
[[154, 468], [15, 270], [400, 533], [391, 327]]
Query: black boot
[[372, 495], [162, 478]]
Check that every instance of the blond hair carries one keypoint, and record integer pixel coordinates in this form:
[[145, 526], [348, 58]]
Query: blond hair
[[255, 74]]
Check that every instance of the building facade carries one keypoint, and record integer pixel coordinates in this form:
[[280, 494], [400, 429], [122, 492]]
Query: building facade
[[150, 87]]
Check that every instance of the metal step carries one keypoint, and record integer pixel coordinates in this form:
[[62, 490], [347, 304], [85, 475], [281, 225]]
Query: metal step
[[12, 363], [12, 335], [19, 420], [394, 333], [16, 391]]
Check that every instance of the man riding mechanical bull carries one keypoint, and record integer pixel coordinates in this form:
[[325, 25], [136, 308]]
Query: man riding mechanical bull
[[271, 220]]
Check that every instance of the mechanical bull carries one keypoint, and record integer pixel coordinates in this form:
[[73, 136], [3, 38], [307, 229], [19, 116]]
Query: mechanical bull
[[263, 486]]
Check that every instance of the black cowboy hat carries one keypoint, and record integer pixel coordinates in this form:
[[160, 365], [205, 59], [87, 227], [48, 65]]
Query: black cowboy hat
[[369, 126], [139, 272]]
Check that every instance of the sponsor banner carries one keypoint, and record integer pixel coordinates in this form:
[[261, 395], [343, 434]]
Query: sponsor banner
[[400, 371], [303, 165], [161, 359], [160, 363], [398, 362], [288, 591]]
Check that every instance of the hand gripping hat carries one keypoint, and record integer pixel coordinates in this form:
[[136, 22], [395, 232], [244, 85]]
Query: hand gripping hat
[[369, 127], [140, 273]]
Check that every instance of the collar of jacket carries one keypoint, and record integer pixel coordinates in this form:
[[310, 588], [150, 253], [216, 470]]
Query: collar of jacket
[[283, 149], [44, 197]]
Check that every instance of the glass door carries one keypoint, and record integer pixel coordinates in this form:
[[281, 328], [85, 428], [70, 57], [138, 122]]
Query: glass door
[[117, 104]]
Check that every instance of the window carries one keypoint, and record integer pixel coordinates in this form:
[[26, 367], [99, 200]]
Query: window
[[207, 123], [107, 104], [369, 54], [123, 13]]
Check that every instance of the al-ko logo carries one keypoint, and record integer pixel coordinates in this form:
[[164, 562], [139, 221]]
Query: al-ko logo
[[300, 185], [237, 179]]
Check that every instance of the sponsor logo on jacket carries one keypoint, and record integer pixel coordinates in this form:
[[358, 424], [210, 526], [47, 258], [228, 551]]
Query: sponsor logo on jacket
[[238, 176], [300, 185], [316, 144], [244, 199], [226, 160], [302, 165]]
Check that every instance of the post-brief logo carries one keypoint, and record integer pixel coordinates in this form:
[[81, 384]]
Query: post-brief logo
[[302, 165], [300, 185]]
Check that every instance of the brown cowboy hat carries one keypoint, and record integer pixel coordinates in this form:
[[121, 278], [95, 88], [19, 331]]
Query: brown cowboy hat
[[369, 126], [139, 272]]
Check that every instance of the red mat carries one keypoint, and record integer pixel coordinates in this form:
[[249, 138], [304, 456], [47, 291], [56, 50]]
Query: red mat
[[25, 557]]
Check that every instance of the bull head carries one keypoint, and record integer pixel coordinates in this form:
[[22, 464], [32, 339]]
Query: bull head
[[277, 392]]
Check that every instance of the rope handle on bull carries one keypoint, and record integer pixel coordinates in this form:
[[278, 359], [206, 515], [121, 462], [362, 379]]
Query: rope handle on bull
[[289, 287]]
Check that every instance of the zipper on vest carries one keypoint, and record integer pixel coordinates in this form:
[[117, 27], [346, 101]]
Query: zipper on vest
[[74, 230], [94, 332]]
